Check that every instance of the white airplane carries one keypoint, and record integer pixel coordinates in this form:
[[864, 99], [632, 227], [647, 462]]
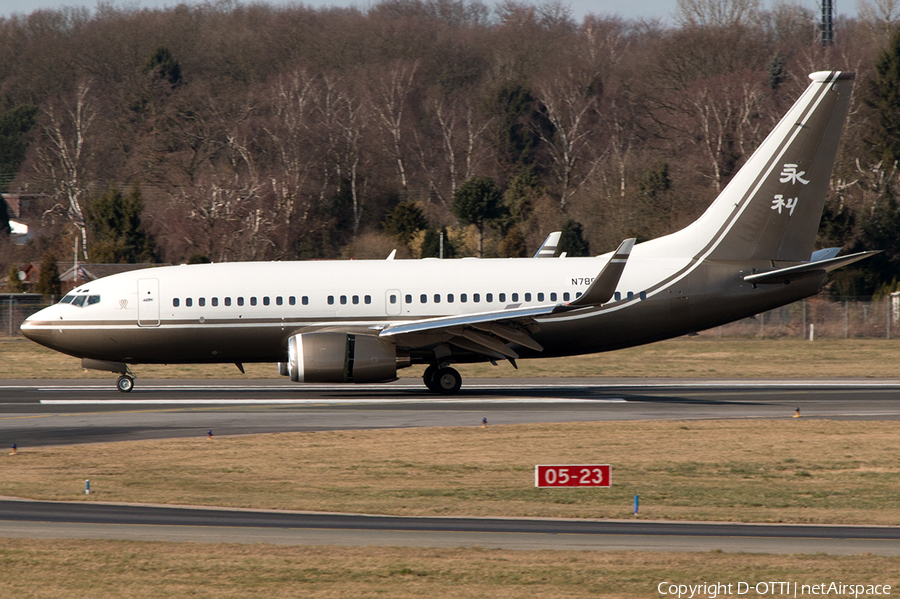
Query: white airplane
[[360, 321]]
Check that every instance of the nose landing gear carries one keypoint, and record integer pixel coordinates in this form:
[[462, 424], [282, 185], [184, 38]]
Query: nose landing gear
[[125, 383]]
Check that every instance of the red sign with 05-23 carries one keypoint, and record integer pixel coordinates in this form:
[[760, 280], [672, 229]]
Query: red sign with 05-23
[[578, 475]]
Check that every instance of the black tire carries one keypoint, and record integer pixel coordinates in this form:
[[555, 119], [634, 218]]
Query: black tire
[[428, 378], [125, 384], [447, 381]]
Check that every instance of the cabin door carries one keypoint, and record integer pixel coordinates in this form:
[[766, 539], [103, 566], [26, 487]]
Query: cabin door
[[148, 302], [392, 302]]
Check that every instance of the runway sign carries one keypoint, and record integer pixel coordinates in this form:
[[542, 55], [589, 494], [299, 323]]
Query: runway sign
[[572, 475]]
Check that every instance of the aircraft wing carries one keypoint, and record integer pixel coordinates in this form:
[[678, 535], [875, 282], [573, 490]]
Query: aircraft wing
[[807, 269], [490, 333]]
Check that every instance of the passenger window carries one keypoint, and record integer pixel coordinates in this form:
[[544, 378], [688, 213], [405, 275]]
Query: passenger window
[[215, 301], [227, 301], [476, 297], [577, 295], [252, 301], [553, 296], [305, 300], [408, 298], [450, 298], [330, 300], [617, 295], [643, 295], [489, 297], [437, 298], [393, 299], [343, 300], [265, 300], [355, 300], [502, 297], [79, 301], [541, 296], [527, 297], [463, 297], [515, 297], [240, 301], [175, 302], [566, 296], [368, 299], [423, 298], [292, 300], [188, 302], [279, 301], [631, 295], [201, 301]]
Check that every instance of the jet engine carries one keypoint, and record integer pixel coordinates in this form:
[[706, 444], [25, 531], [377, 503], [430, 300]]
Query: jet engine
[[330, 357]]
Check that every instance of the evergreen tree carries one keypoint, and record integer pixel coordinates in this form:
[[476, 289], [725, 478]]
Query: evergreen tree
[[14, 285], [431, 244], [4, 218], [776, 71], [404, 221], [14, 125], [572, 240], [884, 98], [48, 282], [513, 244], [114, 225], [162, 64], [478, 202]]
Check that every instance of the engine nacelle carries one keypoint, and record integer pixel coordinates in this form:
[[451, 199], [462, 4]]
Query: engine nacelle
[[342, 358]]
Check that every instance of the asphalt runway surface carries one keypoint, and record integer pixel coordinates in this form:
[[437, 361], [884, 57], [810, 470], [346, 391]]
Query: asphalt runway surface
[[35, 413]]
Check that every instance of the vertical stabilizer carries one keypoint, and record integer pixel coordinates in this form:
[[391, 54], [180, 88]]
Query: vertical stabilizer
[[772, 207]]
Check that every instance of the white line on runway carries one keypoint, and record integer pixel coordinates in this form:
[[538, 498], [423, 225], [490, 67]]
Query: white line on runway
[[693, 384], [262, 402]]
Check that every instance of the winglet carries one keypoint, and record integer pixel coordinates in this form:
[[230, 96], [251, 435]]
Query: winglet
[[604, 286], [548, 248]]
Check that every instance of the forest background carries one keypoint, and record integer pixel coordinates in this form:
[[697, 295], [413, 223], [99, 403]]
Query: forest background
[[221, 132]]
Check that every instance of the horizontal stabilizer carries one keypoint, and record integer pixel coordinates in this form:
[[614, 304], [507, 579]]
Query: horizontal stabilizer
[[786, 275], [604, 286]]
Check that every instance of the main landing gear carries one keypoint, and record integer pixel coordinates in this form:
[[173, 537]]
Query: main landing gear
[[443, 380]]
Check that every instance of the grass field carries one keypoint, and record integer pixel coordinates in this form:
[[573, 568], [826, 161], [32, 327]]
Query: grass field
[[704, 356], [789, 470], [129, 570]]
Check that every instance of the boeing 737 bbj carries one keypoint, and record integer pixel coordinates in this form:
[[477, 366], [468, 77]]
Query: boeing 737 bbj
[[361, 321]]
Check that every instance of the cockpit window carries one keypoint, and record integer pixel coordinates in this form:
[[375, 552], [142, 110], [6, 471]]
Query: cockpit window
[[67, 299], [93, 299], [79, 300]]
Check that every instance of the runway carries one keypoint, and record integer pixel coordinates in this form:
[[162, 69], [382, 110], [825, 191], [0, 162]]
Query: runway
[[34, 413]]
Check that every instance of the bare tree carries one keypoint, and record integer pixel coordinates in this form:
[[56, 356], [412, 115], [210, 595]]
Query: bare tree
[[64, 156], [388, 96], [715, 13]]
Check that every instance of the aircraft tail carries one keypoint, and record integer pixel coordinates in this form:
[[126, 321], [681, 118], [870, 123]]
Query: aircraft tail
[[771, 208]]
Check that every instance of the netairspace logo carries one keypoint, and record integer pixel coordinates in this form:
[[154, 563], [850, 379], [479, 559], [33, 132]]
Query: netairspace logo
[[711, 590]]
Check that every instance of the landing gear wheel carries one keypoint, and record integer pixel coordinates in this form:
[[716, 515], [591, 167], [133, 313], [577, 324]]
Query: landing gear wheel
[[446, 381], [428, 378], [125, 384]]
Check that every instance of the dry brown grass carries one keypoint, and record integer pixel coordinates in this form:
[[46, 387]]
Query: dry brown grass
[[756, 470], [138, 570], [704, 356]]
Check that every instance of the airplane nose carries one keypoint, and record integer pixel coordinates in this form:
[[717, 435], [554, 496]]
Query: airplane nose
[[37, 333]]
